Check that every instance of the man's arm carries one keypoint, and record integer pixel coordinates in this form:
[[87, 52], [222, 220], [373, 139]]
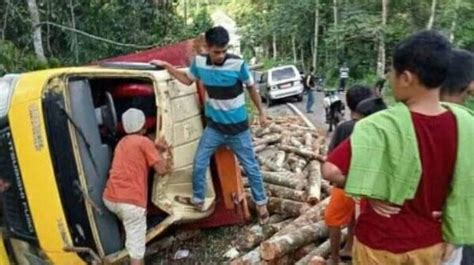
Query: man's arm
[[257, 101], [332, 173], [181, 76]]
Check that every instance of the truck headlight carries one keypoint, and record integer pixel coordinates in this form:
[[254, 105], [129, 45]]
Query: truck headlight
[[7, 83]]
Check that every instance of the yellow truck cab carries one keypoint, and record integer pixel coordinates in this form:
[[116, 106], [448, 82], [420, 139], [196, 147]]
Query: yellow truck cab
[[58, 129]]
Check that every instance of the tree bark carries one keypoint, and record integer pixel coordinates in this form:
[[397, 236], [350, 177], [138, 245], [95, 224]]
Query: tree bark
[[285, 193], [302, 59], [257, 234], [316, 34], [274, 46], [313, 215], [432, 15], [304, 153], [314, 183], [36, 34], [252, 257], [286, 179], [286, 207], [454, 22], [381, 54], [320, 253], [278, 246], [5, 18], [74, 36], [293, 46]]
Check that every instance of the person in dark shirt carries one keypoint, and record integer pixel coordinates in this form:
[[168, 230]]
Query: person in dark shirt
[[309, 87]]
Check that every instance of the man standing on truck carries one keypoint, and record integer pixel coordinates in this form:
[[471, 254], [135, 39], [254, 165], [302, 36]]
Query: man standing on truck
[[223, 76], [126, 191]]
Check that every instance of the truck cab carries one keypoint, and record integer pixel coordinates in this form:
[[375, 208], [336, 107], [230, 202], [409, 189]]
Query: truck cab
[[58, 130]]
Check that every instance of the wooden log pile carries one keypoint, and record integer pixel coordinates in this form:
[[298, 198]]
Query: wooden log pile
[[290, 154]]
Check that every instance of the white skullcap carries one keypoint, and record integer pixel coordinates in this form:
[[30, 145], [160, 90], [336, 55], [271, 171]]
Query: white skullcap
[[133, 120]]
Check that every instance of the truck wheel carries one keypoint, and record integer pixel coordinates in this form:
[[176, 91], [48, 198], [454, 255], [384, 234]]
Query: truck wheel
[[299, 98], [269, 101]]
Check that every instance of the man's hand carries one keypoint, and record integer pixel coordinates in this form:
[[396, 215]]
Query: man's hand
[[160, 63], [384, 208], [263, 119], [162, 145]]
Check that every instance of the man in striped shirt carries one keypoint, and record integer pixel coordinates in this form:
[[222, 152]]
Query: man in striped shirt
[[224, 76]]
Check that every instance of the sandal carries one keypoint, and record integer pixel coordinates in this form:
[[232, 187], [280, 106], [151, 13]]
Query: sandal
[[189, 202]]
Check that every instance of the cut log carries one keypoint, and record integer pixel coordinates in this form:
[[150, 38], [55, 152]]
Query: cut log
[[271, 165], [260, 132], [286, 179], [268, 139], [280, 158], [274, 128], [302, 252], [251, 258], [287, 207], [286, 193], [304, 153], [299, 165], [314, 183], [277, 218], [260, 148], [295, 142], [279, 246], [308, 140], [257, 234], [313, 215], [321, 252], [326, 187]]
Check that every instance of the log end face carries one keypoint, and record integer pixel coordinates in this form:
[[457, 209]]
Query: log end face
[[268, 251]]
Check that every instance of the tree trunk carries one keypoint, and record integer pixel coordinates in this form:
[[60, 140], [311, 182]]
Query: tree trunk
[[285, 193], [293, 46], [454, 22], [274, 45], [185, 6], [304, 153], [314, 183], [302, 59], [313, 215], [432, 15], [35, 21], [381, 53], [286, 207], [74, 36], [321, 252], [5, 18], [257, 234], [286, 179], [316, 34], [252, 257], [278, 246]]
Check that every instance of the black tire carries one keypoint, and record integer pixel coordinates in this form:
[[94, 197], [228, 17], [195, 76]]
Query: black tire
[[299, 98], [268, 101]]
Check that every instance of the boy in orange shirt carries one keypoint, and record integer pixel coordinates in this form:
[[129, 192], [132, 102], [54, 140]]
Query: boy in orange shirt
[[126, 192]]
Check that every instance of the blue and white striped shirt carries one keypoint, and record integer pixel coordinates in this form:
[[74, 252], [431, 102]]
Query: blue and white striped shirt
[[225, 102]]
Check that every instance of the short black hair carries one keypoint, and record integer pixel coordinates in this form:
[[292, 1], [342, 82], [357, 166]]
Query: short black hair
[[460, 72], [217, 36], [426, 54], [370, 106], [356, 94]]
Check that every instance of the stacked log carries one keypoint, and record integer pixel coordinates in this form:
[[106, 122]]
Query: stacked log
[[290, 154]]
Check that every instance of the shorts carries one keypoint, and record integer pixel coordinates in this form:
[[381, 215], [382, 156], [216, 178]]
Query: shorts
[[134, 221], [340, 209]]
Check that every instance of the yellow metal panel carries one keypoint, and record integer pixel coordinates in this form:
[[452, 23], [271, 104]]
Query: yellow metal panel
[[31, 146]]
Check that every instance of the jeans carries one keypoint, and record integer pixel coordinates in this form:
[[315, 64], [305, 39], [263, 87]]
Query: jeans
[[241, 145], [310, 101]]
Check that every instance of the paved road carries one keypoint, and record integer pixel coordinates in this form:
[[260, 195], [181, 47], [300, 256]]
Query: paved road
[[317, 117]]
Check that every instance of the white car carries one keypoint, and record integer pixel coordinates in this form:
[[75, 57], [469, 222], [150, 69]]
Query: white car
[[280, 82]]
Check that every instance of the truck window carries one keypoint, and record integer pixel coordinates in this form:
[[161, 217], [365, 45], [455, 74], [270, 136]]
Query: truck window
[[283, 74]]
